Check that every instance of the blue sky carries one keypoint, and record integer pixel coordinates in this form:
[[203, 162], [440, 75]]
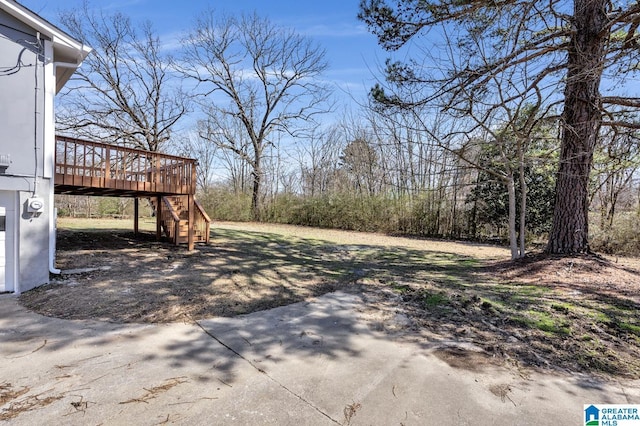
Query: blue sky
[[352, 52]]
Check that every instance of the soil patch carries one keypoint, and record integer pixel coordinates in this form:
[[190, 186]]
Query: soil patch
[[568, 313], [117, 276]]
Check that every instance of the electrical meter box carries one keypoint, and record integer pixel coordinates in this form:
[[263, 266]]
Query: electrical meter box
[[35, 205]]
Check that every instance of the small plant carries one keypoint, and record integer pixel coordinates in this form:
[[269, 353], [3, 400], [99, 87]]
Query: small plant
[[560, 308], [619, 327], [400, 288], [546, 322], [486, 305], [435, 299]]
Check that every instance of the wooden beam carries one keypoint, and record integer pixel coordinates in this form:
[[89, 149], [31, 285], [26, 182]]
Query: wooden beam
[[191, 208], [135, 216], [158, 217]]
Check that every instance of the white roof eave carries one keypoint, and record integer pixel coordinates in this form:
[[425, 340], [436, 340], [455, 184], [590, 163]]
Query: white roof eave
[[65, 48]]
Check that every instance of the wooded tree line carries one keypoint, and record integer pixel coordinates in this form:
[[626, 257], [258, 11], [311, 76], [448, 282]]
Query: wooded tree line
[[497, 128], [387, 177]]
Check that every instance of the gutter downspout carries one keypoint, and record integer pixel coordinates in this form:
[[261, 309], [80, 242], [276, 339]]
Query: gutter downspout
[[52, 212], [53, 218], [16, 246]]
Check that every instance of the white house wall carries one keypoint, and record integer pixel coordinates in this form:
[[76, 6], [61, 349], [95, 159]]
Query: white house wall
[[21, 106], [24, 98], [34, 244]]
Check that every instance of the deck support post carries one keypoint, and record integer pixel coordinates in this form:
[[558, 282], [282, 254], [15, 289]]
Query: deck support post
[[190, 206], [158, 217], [135, 215]]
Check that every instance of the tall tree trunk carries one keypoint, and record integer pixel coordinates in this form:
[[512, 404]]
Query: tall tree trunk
[[255, 192], [513, 236], [523, 206], [582, 118], [453, 232], [474, 211]]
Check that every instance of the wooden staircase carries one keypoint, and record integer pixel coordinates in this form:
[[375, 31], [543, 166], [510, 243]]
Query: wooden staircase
[[173, 212]]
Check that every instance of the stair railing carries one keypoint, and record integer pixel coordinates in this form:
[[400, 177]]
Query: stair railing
[[171, 221], [202, 221]]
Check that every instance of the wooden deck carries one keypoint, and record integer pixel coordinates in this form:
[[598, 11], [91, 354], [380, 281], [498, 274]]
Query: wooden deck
[[99, 169], [94, 168]]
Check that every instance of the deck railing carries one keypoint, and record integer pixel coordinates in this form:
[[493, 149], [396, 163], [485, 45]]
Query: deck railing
[[81, 163]]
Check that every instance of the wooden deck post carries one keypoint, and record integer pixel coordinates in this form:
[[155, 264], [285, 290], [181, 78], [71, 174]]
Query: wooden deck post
[[158, 217], [190, 207], [107, 169], [135, 215], [192, 204]]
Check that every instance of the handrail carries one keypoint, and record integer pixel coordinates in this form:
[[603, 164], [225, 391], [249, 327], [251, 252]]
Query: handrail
[[170, 209], [199, 208], [202, 220], [171, 220]]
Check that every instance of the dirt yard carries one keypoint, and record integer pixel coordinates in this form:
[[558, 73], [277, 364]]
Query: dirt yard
[[572, 314]]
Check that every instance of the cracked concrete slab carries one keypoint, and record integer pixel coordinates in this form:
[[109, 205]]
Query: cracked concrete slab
[[310, 363]]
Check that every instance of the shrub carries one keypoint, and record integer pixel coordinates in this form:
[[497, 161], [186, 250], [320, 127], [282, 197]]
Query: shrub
[[623, 237], [224, 204]]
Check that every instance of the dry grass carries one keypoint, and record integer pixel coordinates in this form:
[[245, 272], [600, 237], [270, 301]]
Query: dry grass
[[8, 393], [153, 392], [475, 250], [18, 402]]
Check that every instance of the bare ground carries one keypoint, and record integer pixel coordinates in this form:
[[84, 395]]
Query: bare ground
[[571, 314]]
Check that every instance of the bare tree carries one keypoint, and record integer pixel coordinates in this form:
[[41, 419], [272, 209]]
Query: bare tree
[[615, 165], [360, 160], [194, 145], [318, 159], [124, 92], [228, 132], [410, 154], [264, 77], [504, 131]]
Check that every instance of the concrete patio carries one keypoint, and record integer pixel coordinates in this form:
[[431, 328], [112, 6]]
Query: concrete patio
[[311, 363]]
